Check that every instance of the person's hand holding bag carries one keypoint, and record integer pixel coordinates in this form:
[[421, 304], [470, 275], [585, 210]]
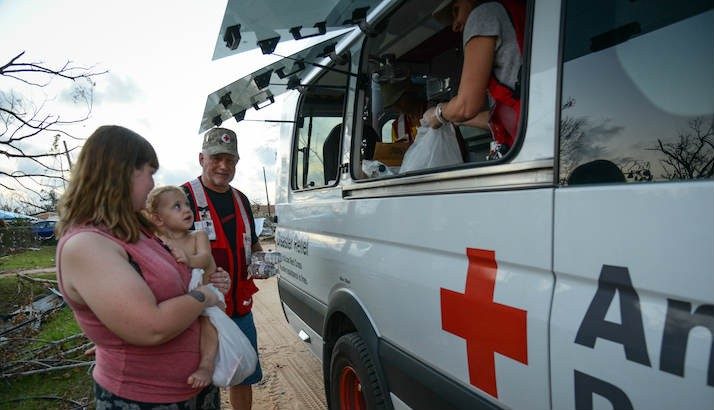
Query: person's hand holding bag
[[434, 117], [433, 147]]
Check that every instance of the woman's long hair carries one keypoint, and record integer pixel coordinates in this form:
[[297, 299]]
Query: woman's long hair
[[100, 188]]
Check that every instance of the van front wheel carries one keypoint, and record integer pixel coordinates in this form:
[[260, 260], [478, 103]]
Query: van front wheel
[[354, 384]]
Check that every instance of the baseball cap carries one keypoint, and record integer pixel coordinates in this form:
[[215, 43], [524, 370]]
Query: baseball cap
[[220, 141], [392, 92]]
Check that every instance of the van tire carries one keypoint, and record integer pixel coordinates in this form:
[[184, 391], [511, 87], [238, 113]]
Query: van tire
[[352, 370]]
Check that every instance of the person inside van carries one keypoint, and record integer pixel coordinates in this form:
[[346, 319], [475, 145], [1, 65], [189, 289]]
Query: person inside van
[[409, 100], [492, 43]]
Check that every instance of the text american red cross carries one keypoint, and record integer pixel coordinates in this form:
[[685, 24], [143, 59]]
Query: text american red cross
[[488, 327]]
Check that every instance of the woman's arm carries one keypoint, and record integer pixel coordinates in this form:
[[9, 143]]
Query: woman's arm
[[471, 97], [96, 272]]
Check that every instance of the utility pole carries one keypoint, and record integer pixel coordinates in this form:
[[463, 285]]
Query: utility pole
[[66, 152], [267, 198]]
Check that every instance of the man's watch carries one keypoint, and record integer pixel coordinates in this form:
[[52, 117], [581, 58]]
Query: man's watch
[[198, 295]]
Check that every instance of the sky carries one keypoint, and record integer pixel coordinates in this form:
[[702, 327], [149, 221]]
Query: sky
[[158, 56]]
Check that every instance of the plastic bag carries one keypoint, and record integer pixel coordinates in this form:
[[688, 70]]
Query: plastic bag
[[375, 169], [235, 359], [264, 265], [432, 148], [271, 257], [262, 270]]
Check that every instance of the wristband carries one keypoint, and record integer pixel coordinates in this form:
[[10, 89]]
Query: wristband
[[198, 295], [439, 114]]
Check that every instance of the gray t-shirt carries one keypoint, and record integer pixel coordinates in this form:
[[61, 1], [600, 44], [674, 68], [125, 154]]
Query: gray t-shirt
[[491, 19]]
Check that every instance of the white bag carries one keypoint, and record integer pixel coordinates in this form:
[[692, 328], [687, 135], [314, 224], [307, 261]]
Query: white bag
[[432, 148], [236, 359]]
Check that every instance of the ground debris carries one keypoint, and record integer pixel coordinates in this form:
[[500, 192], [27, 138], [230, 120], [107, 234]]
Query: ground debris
[[21, 354], [25, 358], [31, 314]]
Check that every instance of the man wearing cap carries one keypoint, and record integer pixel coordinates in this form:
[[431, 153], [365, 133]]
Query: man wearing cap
[[224, 213], [410, 101]]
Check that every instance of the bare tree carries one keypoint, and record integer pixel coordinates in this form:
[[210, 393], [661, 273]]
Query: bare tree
[[573, 138], [691, 156], [636, 170], [23, 120]]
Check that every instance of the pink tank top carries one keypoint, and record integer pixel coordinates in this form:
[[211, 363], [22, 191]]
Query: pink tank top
[[153, 374]]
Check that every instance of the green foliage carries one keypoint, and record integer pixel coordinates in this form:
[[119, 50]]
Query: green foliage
[[42, 257]]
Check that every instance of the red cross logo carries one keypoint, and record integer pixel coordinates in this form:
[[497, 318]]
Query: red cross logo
[[488, 327]]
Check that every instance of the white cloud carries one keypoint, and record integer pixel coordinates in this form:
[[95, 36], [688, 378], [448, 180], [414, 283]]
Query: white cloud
[[158, 54], [116, 89]]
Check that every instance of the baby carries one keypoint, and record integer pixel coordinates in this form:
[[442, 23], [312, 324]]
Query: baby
[[169, 210]]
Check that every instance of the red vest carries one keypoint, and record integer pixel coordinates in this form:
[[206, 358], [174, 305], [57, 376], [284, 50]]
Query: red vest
[[506, 111], [239, 300]]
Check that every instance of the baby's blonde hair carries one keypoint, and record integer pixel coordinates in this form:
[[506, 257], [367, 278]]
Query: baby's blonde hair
[[154, 198]]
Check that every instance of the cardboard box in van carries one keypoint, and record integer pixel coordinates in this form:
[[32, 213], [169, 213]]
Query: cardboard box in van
[[390, 154]]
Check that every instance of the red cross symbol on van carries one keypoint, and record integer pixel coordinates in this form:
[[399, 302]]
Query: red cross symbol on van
[[487, 326]]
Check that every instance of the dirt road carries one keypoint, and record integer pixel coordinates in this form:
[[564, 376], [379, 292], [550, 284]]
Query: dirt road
[[292, 375]]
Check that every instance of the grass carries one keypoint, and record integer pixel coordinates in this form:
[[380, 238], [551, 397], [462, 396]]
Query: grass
[[74, 384], [44, 257], [61, 326]]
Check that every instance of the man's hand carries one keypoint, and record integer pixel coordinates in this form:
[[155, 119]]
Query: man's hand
[[221, 280]]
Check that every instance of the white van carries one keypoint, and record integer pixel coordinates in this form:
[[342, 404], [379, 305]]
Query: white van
[[574, 272]]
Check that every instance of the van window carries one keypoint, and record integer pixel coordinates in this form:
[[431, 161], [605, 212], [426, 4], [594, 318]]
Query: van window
[[637, 91], [316, 149], [414, 62]]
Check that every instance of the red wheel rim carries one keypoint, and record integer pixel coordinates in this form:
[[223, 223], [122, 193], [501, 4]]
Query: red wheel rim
[[350, 390]]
